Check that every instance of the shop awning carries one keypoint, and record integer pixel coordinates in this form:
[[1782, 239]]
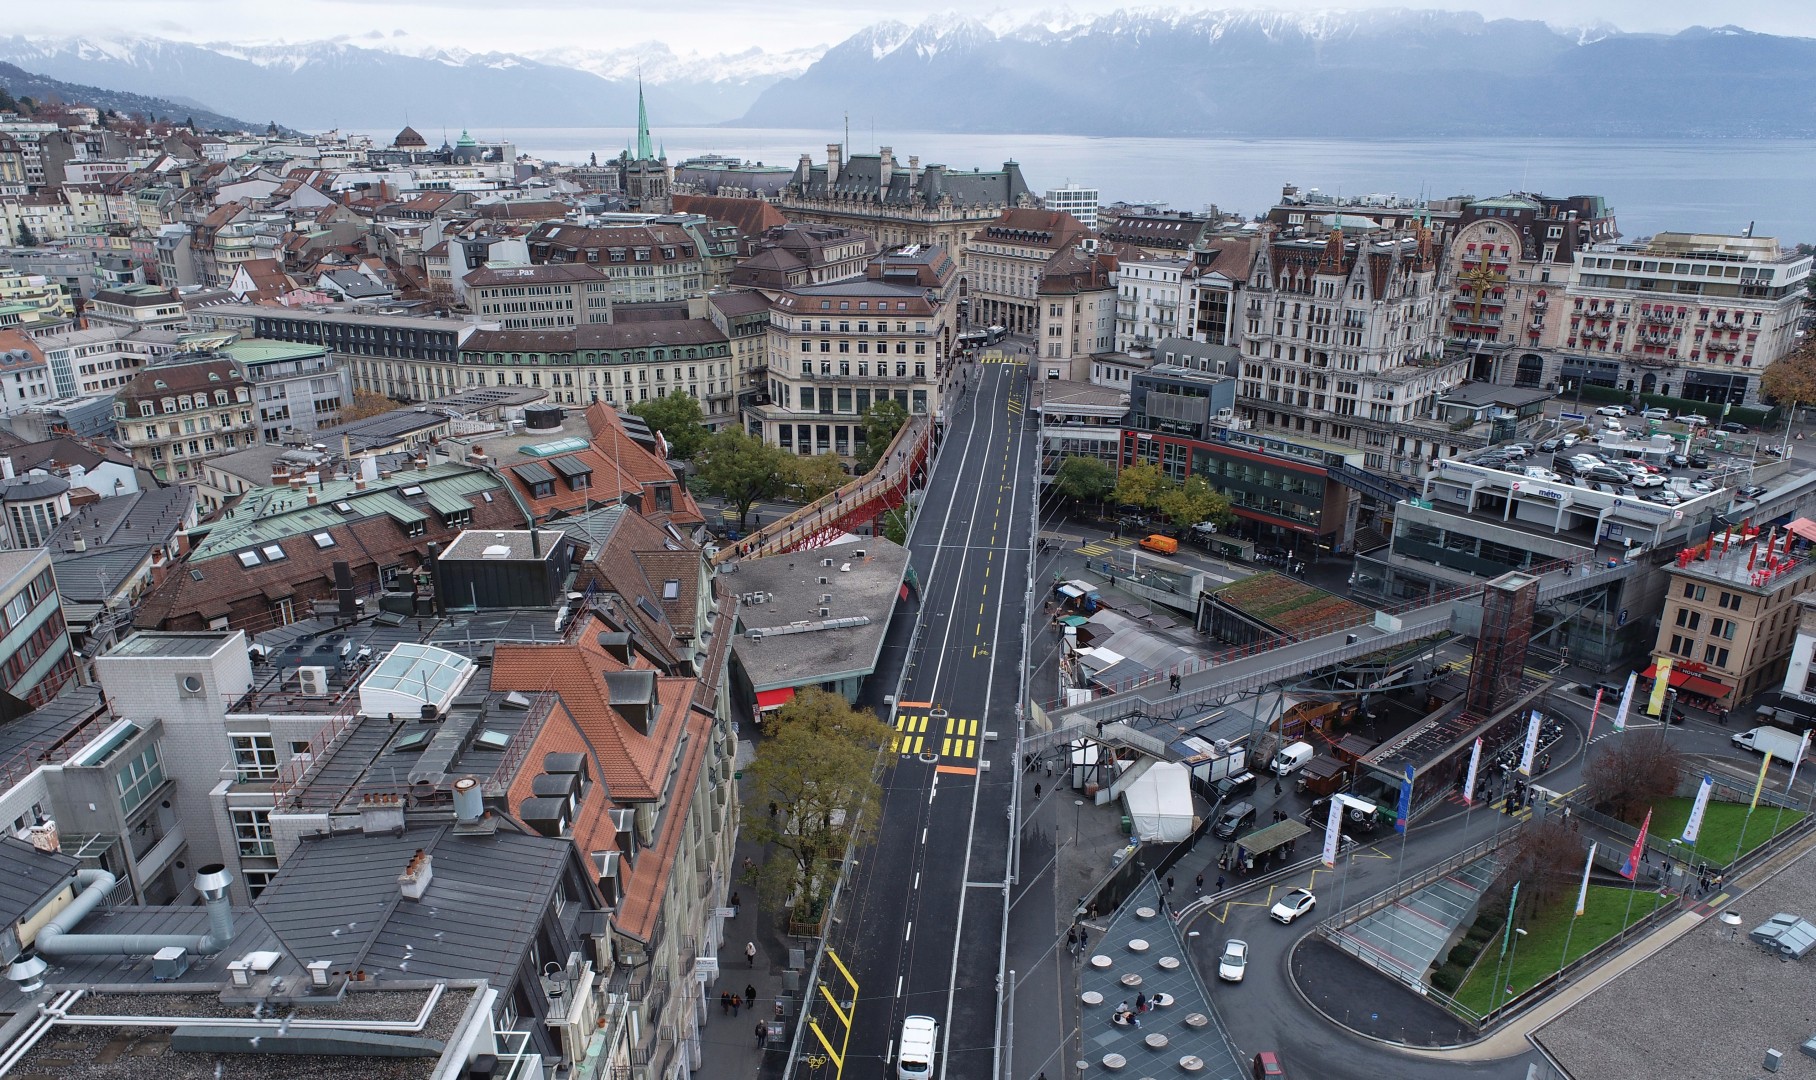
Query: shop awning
[[1704, 687], [1678, 678], [774, 699]]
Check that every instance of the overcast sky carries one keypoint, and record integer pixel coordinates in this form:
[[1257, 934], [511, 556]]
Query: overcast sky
[[713, 26]]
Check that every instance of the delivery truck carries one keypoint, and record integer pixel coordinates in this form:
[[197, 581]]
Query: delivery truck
[[1781, 744]]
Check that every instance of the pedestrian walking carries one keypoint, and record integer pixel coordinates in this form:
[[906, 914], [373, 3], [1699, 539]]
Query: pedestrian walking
[[762, 1031], [750, 994], [735, 905], [750, 954], [1219, 882], [1037, 791], [1141, 1003], [1198, 885], [1071, 941], [1083, 935], [735, 1002], [724, 1002], [1276, 789]]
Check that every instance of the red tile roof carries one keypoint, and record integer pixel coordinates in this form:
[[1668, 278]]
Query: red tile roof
[[752, 217]]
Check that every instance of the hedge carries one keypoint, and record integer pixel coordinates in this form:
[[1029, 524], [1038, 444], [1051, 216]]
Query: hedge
[[1447, 979], [1711, 410]]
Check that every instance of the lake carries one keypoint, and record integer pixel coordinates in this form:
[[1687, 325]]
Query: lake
[[1709, 186]]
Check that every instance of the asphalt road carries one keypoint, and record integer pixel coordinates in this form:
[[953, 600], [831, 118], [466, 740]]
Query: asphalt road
[[923, 932]]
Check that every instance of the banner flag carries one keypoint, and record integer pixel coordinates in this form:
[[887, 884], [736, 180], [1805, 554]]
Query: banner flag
[[1469, 782], [1582, 894], [1659, 685], [1333, 827], [1593, 713], [1532, 744], [1404, 810], [1759, 785], [1802, 749], [1693, 827], [1620, 715], [1631, 866]]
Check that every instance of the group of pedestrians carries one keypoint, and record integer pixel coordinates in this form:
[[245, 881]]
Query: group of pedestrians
[[731, 1003]]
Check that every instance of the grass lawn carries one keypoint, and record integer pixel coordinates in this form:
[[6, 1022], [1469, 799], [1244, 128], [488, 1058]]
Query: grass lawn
[[1541, 951], [1719, 841]]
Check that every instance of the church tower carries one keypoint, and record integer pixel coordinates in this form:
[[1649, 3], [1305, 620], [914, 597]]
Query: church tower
[[644, 178]]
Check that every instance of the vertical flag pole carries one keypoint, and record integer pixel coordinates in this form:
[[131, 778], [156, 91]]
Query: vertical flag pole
[[1758, 786]]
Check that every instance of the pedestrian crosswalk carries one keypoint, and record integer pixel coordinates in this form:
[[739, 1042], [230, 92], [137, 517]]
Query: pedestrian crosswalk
[[916, 734], [1092, 549], [997, 357]]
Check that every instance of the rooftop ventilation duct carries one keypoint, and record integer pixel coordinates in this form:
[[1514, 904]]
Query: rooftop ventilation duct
[[58, 937]]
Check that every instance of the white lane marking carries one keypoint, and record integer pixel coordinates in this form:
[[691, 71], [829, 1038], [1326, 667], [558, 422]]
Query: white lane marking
[[910, 933]]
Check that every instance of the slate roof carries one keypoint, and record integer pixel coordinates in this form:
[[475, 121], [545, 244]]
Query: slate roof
[[337, 899], [542, 273], [751, 217], [861, 177], [22, 740], [631, 334], [28, 876], [870, 589], [62, 451]]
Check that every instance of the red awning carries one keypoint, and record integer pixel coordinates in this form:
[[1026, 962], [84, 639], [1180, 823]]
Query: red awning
[[1704, 687], [774, 699]]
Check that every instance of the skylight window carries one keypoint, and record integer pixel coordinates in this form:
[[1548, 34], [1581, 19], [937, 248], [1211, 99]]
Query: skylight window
[[416, 740], [671, 589], [344, 507], [249, 559], [491, 740], [323, 540], [412, 490], [273, 553]]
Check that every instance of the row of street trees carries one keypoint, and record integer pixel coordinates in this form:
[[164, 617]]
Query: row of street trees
[[744, 470], [1089, 479]]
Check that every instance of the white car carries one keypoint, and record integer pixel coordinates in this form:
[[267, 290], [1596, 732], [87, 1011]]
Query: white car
[[1693, 420], [1612, 410], [1234, 962], [1656, 413], [1649, 480], [1292, 905], [1537, 472], [1571, 439]]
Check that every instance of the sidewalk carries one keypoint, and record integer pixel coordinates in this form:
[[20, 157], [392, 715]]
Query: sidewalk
[[729, 1043]]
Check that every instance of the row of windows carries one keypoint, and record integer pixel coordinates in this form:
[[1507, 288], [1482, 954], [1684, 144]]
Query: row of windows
[[901, 347], [628, 356]]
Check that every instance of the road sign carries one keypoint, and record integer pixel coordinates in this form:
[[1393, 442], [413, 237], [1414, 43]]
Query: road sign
[[1572, 416]]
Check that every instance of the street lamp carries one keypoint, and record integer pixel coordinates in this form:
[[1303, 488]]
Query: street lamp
[[1078, 808]]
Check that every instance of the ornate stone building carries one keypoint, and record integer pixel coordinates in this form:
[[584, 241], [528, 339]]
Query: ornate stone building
[[644, 179]]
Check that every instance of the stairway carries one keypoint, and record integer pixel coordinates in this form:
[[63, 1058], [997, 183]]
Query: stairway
[[1403, 939]]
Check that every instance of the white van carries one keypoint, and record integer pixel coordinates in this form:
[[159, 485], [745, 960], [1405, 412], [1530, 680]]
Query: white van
[[1292, 758], [920, 1036]]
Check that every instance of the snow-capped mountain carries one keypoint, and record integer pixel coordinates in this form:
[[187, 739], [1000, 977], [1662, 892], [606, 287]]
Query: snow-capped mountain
[[380, 82], [1379, 73]]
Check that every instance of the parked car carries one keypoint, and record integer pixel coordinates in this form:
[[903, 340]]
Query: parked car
[[1231, 786], [1267, 1067], [1693, 420], [1751, 491], [1664, 496], [1678, 461], [1550, 445], [1293, 905], [1612, 410], [1570, 439], [1698, 460], [1734, 428], [1538, 472], [1656, 413], [1233, 964]]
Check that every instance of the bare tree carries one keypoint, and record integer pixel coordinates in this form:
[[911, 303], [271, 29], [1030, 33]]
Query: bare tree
[[1632, 773], [1545, 859]]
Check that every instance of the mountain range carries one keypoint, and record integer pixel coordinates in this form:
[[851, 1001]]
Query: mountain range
[[21, 83], [1375, 74]]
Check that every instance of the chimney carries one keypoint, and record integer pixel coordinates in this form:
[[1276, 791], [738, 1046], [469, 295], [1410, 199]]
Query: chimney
[[414, 881], [314, 499], [44, 836], [381, 813], [280, 474], [422, 464], [296, 483], [833, 160], [76, 542], [359, 483], [914, 169], [885, 166], [477, 455]]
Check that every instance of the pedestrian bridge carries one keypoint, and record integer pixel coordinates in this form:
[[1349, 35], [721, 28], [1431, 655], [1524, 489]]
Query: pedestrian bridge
[[1249, 668]]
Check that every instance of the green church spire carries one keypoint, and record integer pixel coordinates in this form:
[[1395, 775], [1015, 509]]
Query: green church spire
[[645, 150]]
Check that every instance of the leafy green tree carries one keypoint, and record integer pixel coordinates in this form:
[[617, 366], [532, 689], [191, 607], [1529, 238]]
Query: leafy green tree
[[678, 417], [27, 238], [816, 773], [1194, 501], [895, 526], [1142, 485], [1791, 380], [814, 477], [1084, 479], [881, 422], [741, 469]]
